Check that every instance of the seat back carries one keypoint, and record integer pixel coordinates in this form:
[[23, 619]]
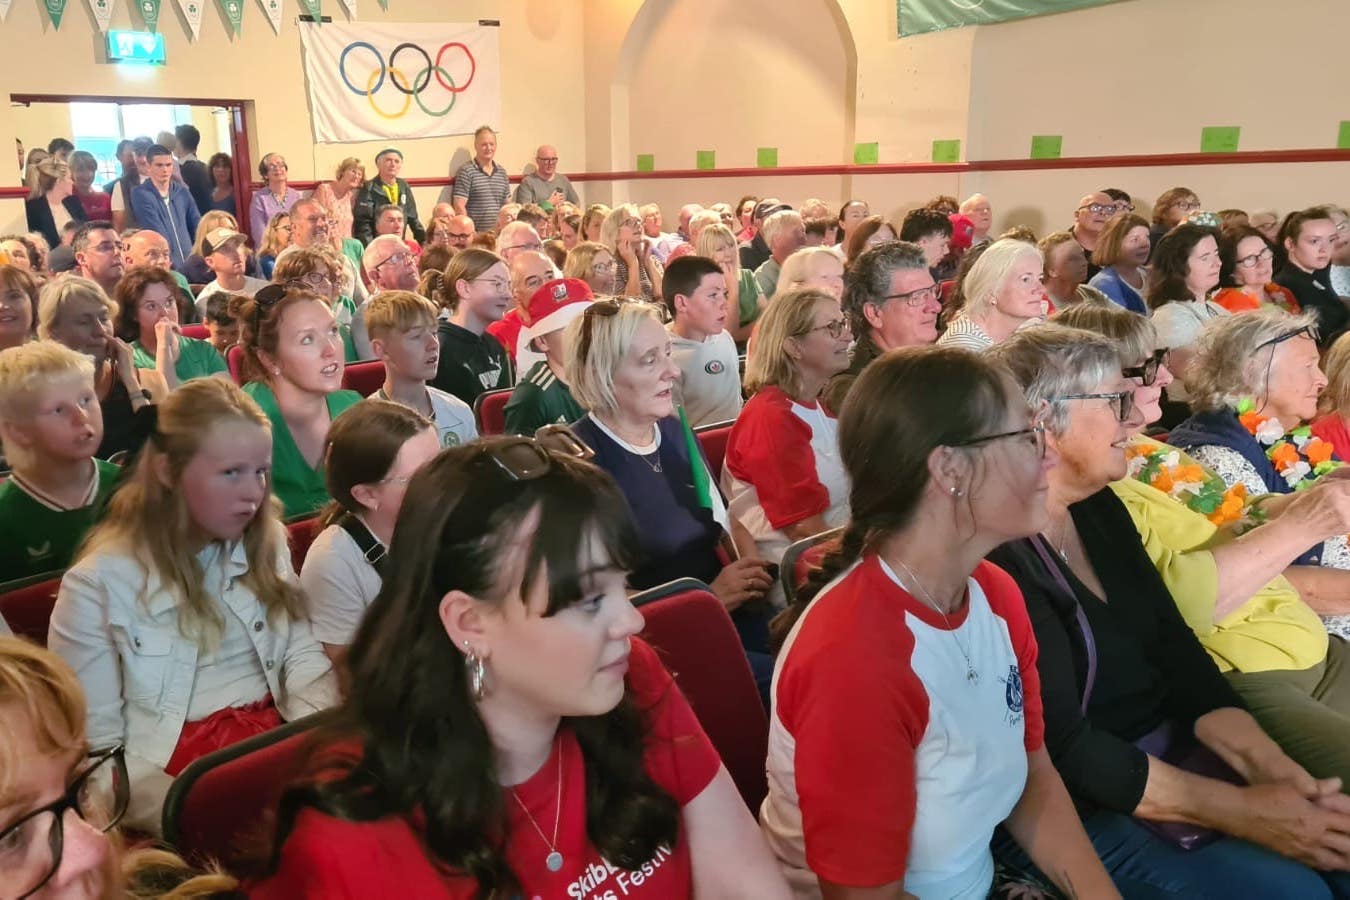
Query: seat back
[[363, 377], [300, 534], [801, 557], [489, 409], [692, 633], [234, 359], [713, 438], [200, 332], [26, 605], [222, 805]]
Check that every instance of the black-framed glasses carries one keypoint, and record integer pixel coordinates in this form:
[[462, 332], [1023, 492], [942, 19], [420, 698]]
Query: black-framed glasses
[[1035, 432], [916, 297], [835, 328], [30, 849], [403, 258], [1251, 262], [1121, 402], [1100, 209], [1309, 331], [312, 281], [1147, 371]]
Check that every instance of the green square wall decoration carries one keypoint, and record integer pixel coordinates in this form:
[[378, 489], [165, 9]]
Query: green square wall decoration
[[705, 159], [1047, 146], [767, 158], [646, 162], [1220, 139], [946, 151], [866, 154]]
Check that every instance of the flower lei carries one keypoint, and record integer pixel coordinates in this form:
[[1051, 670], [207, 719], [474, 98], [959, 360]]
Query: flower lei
[[1190, 484], [1300, 457]]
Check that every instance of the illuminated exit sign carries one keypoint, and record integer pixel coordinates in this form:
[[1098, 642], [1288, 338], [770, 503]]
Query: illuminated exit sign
[[144, 47]]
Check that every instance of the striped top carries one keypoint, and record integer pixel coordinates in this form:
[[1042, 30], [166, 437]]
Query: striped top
[[485, 194], [964, 333]]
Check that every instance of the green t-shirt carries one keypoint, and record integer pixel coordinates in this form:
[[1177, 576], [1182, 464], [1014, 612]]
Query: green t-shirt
[[36, 538], [299, 486], [196, 359], [748, 299], [344, 310], [540, 399]]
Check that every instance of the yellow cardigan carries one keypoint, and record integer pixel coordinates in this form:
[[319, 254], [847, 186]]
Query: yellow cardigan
[[1274, 630]]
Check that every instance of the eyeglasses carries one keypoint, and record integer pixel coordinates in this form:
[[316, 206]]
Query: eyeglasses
[[1099, 208], [545, 159], [403, 258], [835, 329], [312, 281], [30, 849], [531, 245], [598, 309], [1251, 262], [1147, 371], [916, 297], [501, 286], [459, 237], [1187, 205], [1124, 207], [108, 247], [1120, 402], [1309, 331], [1036, 432]]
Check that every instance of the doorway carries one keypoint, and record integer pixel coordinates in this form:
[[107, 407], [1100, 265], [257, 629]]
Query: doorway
[[99, 124]]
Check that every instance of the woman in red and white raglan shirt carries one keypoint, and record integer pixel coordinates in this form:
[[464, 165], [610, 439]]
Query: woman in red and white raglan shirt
[[506, 733], [906, 706], [782, 476]]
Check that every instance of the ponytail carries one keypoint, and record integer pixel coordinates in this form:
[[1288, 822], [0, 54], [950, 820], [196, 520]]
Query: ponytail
[[841, 555], [432, 286]]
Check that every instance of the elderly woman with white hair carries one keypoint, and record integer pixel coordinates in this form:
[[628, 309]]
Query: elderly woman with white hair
[[637, 274], [1004, 290], [619, 368], [1144, 702]]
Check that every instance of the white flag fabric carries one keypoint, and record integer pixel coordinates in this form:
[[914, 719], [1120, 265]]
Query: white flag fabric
[[192, 11], [351, 9], [404, 80], [273, 10], [4, 9], [102, 10]]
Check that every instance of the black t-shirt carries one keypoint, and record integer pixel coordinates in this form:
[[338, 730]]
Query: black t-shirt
[[124, 430], [470, 363], [1150, 666], [1314, 294]]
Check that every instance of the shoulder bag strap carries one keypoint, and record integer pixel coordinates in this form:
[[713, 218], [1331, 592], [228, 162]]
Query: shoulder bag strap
[[371, 547], [1089, 643]]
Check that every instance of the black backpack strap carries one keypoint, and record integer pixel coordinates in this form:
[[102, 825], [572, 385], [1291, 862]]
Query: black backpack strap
[[370, 545]]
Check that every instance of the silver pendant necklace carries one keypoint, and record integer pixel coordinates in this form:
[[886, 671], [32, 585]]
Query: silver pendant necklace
[[972, 676], [554, 861]]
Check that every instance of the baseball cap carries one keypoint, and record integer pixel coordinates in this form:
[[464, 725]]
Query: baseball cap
[[217, 238], [766, 208], [556, 304]]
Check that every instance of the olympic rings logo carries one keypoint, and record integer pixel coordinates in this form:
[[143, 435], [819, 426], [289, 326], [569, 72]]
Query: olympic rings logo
[[411, 90]]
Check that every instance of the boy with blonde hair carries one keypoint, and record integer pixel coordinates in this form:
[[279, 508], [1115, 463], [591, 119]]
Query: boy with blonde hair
[[402, 329], [51, 424]]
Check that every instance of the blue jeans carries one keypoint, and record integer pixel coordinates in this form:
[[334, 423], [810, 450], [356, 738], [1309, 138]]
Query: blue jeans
[[753, 629], [1146, 867]]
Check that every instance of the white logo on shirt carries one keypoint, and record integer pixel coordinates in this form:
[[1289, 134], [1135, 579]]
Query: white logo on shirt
[[593, 884]]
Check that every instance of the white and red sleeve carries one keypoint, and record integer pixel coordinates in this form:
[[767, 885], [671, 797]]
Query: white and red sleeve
[[770, 449]]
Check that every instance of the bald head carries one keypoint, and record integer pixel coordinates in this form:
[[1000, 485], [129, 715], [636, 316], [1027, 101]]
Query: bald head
[[1093, 211], [443, 211], [461, 230], [976, 208], [147, 248], [530, 270], [310, 224]]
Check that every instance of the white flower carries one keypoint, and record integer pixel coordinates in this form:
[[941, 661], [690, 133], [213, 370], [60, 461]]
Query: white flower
[[1171, 459], [1269, 431], [1136, 465], [1296, 473], [1187, 487]]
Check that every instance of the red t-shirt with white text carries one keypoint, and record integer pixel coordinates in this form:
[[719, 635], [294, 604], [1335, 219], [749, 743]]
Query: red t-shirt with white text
[[331, 858]]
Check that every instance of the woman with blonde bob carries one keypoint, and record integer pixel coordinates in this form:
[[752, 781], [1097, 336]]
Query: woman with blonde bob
[[745, 303], [52, 202], [637, 274], [1003, 291], [821, 268], [181, 616], [619, 368], [75, 312], [593, 263], [339, 195], [782, 473]]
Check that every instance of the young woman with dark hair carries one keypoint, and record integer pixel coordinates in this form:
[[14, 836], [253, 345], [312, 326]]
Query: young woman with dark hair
[[906, 702], [506, 734]]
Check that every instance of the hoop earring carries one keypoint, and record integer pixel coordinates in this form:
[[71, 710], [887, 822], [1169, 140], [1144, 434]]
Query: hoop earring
[[477, 670]]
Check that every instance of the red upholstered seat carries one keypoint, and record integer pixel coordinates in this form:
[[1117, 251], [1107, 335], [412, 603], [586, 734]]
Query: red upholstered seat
[[947, 290], [221, 806], [300, 534], [694, 636], [363, 377], [803, 556], [234, 358], [200, 332], [489, 409], [27, 604], [713, 439]]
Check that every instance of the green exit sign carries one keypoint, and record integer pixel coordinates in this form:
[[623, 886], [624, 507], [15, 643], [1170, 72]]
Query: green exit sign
[[144, 47]]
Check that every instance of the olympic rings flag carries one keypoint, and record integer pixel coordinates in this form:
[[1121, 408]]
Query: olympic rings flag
[[402, 80]]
